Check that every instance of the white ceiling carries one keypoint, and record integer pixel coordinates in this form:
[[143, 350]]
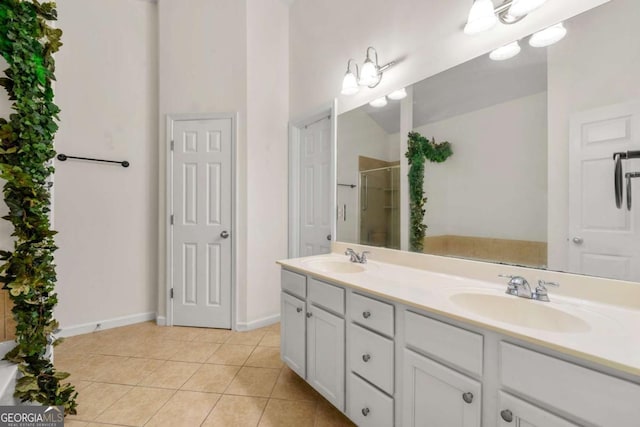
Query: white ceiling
[[476, 84]]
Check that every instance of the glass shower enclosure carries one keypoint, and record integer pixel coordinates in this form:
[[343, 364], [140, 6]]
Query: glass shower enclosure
[[380, 207]]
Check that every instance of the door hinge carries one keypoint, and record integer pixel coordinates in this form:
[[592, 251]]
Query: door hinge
[[172, 144], [171, 293], [171, 219]]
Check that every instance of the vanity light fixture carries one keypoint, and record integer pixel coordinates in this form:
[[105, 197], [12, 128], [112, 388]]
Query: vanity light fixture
[[379, 102], [505, 52], [369, 75], [397, 95], [548, 36], [483, 15], [350, 80]]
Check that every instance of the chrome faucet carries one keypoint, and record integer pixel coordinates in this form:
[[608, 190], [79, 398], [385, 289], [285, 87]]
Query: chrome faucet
[[355, 257], [519, 287]]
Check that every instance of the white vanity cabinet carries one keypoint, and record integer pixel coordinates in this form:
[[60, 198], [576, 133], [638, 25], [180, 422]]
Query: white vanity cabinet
[[517, 412]]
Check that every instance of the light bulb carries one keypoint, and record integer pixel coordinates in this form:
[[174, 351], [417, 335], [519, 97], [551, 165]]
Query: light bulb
[[523, 7], [350, 84], [369, 73], [548, 36], [398, 94], [481, 17], [379, 102], [505, 52]]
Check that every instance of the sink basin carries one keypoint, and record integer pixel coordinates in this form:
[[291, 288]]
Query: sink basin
[[329, 266], [520, 312]]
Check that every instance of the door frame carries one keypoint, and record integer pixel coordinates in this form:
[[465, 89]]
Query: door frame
[[295, 129], [170, 120]]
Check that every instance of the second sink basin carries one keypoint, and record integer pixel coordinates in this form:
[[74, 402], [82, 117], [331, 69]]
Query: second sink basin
[[335, 266], [520, 312]]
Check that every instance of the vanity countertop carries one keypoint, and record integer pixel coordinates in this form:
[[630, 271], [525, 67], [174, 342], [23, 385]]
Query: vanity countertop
[[606, 334]]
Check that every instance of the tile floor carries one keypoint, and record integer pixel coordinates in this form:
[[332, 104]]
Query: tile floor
[[148, 375]]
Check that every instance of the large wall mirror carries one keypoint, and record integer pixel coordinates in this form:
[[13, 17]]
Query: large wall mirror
[[531, 178]]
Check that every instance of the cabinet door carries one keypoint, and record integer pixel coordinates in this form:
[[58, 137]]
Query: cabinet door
[[325, 349], [516, 412], [435, 395], [293, 340]]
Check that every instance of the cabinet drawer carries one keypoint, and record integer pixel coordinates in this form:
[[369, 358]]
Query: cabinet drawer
[[592, 396], [373, 314], [325, 295], [371, 356], [294, 283], [446, 342], [368, 406]]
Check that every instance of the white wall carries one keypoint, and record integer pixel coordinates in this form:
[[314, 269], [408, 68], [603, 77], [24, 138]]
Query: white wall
[[597, 65], [495, 184], [358, 135], [232, 56], [106, 215], [426, 33]]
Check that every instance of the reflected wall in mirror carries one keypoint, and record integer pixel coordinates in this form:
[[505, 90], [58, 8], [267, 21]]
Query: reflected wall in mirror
[[532, 179]]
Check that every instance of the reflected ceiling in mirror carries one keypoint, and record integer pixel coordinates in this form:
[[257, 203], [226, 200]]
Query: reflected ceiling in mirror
[[531, 178]]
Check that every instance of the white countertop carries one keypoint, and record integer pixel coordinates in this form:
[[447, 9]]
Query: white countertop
[[611, 336]]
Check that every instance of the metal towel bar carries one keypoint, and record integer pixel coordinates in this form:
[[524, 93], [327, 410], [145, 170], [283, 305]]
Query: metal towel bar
[[64, 157]]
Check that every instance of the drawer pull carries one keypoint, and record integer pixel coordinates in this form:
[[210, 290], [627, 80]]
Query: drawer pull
[[309, 314], [299, 309], [467, 397], [365, 411], [366, 314], [366, 357], [507, 415]]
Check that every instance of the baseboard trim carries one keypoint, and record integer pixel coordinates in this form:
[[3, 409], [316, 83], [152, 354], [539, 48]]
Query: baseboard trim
[[259, 323], [161, 320], [100, 325]]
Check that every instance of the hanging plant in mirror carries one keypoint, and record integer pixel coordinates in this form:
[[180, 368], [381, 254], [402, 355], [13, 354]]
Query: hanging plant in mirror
[[27, 43], [419, 150]]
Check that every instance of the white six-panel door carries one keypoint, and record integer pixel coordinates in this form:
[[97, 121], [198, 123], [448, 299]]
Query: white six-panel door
[[604, 240], [201, 253]]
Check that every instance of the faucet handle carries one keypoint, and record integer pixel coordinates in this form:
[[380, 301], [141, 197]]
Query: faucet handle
[[363, 257], [541, 293], [542, 285]]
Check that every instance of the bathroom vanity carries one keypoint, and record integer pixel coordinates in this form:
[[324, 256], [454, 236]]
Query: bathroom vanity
[[389, 344]]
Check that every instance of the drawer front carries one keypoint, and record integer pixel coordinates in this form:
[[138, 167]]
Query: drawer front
[[589, 395], [449, 343], [368, 406], [371, 356], [294, 283], [325, 295], [373, 314]]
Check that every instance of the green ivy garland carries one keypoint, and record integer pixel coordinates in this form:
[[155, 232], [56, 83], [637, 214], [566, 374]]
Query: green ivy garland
[[419, 150], [27, 43]]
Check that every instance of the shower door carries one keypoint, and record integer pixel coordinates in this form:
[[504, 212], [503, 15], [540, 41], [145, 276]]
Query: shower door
[[379, 207]]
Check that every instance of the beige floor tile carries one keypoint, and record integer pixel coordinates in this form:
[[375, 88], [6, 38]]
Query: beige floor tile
[[128, 371], [214, 335], [74, 423], [291, 387], [71, 363], [136, 407], [211, 378], [184, 409], [257, 382], [236, 411], [95, 398], [231, 354], [273, 328], [271, 339], [153, 348], [286, 413], [265, 357], [195, 352], [170, 375], [94, 367], [180, 333], [247, 338], [328, 416], [80, 385]]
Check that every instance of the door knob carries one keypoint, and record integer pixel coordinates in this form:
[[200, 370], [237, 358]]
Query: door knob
[[467, 397], [366, 314], [299, 309], [507, 415], [224, 234], [366, 357], [365, 411], [309, 314], [328, 236], [577, 240]]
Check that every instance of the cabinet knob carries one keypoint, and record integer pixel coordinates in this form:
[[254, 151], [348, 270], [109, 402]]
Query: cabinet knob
[[507, 415], [299, 309], [366, 357], [309, 314], [467, 397], [365, 411], [366, 314]]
